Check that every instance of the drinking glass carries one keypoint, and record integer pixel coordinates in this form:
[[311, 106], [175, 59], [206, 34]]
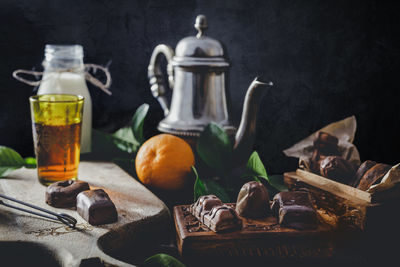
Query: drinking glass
[[56, 126]]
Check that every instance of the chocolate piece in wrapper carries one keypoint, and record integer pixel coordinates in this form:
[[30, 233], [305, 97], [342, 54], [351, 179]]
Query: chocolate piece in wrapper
[[253, 200], [63, 194], [96, 207], [295, 210], [315, 161], [364, 167], [323, 145], [204, 204], [222, 218], [343, 130], [337, 168], [326, 144], [373, 175]]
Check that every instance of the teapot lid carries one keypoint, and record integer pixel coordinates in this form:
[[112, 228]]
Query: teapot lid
[[200, 50]]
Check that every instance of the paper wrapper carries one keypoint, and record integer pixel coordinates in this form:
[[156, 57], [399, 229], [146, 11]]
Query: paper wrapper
[[388, 181], [344, 130]]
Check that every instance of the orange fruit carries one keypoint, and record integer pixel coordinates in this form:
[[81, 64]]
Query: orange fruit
[[164, 161]]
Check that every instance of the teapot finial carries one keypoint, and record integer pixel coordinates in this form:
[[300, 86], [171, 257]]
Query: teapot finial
[[201, 25]]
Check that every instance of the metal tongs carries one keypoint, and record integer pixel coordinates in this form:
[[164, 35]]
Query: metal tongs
[[61, 217]]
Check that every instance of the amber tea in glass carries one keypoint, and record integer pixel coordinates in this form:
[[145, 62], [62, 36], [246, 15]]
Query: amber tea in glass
[[56, 126]]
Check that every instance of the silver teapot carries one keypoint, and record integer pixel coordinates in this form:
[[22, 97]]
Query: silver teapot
[[196, 75]]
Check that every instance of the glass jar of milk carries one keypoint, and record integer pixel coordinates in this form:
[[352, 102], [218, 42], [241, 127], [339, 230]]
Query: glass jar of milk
[[64, 73]]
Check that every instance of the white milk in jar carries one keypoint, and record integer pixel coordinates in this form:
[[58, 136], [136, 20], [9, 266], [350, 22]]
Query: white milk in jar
[[64, 73]]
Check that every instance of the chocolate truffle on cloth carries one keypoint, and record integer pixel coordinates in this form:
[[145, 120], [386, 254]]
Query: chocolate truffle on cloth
[[222, 218], [295, 210], [253, 200], [96, 207], [63, 194]]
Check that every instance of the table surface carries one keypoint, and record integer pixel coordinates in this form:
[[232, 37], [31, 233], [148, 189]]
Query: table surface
[[135, 204]]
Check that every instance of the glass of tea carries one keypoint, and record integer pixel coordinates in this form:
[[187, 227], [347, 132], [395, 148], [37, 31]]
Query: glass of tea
[[56, 126]]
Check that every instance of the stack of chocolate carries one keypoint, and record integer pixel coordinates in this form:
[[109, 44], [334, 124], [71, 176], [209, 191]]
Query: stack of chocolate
[[95, 206], [326, 161]]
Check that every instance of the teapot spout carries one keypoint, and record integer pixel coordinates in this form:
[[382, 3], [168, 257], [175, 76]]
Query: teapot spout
[[245, 134]]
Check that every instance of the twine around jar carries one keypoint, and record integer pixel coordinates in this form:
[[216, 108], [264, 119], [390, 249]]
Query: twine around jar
[[103, 86]]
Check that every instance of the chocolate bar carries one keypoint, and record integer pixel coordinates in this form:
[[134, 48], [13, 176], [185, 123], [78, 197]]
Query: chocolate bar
[[63, 194], [295, 210], [253, 200], [210, 211], [96, 207], [222, 218], [204, 204]]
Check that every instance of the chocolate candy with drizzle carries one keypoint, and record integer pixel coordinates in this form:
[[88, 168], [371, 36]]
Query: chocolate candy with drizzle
[[203, 205], [294, 209], [210, 211], [222, 218]]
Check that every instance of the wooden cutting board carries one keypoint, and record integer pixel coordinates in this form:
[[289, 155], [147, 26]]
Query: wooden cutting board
[[263, 238], [31, 236]]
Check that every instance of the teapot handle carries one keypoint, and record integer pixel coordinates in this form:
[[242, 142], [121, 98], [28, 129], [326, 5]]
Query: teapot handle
[[155, 75]]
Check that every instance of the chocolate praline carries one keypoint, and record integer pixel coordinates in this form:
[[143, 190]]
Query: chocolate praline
[[364, 167], [63, 194], [373, 175], [294, 209], [326, 144], [337, 168], [253, 200], [96, 207]]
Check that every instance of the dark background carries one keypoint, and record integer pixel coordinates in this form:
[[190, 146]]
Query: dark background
[[328, 60]]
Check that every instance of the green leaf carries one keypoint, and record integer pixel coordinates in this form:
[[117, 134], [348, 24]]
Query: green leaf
[[4, 171], [30, 162], [138, 121], [215, 148], [255, 169], [214, 188], [103, 148], [249, 177], [9, 160], [130, 137], [208, 187], [199, 188], [255, 166], [277, 182], [162, 260], [124, 140]]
